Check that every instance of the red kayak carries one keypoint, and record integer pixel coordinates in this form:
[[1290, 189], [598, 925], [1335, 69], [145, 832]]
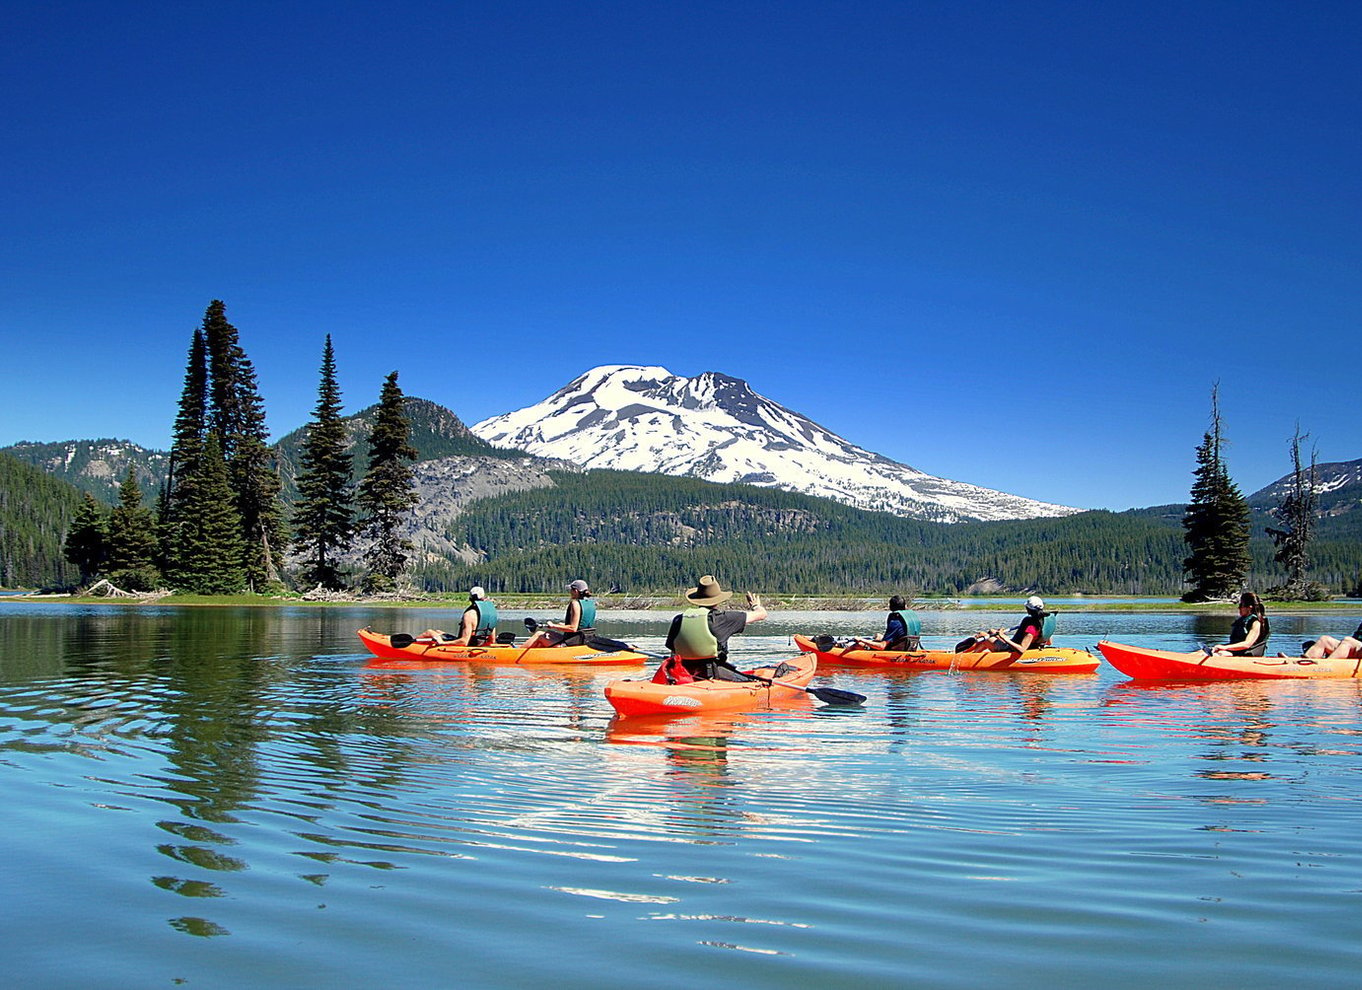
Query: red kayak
[[1164, 665]]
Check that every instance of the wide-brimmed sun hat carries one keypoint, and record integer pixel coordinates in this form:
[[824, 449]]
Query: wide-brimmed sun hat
[[708, 592], [578, 585]]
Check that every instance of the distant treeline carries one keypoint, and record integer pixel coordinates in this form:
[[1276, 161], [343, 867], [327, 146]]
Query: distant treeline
[[644, 532]]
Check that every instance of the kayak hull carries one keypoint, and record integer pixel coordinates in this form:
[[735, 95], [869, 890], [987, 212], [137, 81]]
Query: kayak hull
[[1164, 665], [1049, 660], [380, 645], [631, 697]]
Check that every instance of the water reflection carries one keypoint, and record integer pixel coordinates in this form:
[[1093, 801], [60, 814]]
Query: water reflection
[[186, 773]]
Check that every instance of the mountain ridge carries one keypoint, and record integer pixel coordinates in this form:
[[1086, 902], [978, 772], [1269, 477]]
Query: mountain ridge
[[717, 428]]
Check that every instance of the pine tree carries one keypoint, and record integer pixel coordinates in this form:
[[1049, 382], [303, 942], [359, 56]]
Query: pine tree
[[191, 420], [387, 493], [236, 416], [1297, 514], [1216, 523], [323, 521], [85, 540], [210, 531], [186, 448], [132, 539]]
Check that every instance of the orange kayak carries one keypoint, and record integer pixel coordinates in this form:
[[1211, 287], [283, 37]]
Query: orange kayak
[[1048, 660], [381, 645], [1165, 665], [631, 697]]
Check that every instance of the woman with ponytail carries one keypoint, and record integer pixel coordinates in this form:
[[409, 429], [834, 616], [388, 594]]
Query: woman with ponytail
[[1248, 635]]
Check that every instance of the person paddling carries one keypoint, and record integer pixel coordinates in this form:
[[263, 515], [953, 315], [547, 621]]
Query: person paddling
[[698, 637], [902, 630], [1028, 633], [477, 626], [578, 621]]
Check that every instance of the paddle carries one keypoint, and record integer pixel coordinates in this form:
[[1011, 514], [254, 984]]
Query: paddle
[[829, 696]]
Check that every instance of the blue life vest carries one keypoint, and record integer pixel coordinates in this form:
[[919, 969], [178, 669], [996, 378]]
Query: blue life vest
[[911, 623], [487, 619], [588, 619]]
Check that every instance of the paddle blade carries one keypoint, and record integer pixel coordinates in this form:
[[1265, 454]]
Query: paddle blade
[[400, 641], [609, 645], [833, 696]]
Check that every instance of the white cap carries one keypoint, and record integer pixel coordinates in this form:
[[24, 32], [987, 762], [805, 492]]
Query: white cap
[[477, 592], [1034, 604], [578, 585]]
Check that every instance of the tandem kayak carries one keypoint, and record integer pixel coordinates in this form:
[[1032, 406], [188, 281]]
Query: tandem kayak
[[630, 697], [1047, 660], [1164, 665], [402, 647]]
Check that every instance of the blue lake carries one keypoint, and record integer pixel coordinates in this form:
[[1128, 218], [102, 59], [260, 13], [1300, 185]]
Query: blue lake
[[239, 797]]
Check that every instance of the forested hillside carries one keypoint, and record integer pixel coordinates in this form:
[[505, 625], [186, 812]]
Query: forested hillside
[[435, 433], [95, 466], [644, 532], [35, 512]]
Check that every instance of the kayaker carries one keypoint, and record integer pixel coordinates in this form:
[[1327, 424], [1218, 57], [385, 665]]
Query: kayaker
[[896, 635], [1023, 636], [1327, 647], [1248, 635], [578, 622], [477, 626], [698, 637]]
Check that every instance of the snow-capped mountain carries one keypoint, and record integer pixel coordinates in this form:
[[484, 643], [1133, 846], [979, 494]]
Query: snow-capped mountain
[[715, 427]]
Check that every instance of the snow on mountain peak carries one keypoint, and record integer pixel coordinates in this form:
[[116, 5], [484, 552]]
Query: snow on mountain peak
[[715, 427]]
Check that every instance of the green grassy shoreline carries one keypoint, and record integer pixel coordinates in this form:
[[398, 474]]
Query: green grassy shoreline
[[813, 603]]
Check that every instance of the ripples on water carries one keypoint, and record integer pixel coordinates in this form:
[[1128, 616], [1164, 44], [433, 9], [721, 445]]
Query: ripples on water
[[229, 797]]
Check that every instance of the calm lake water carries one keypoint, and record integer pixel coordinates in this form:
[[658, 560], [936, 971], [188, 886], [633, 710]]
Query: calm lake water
[[238, 797]]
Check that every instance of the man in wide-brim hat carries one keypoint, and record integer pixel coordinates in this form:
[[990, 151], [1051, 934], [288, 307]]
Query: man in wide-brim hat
[[698, 637]]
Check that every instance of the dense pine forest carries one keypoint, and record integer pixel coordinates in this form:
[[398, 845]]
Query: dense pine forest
[[35, 513], [644, 532]]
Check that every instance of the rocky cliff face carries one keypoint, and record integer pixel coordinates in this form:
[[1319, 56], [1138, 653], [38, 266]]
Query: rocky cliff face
[[717, 428], [445, 486]]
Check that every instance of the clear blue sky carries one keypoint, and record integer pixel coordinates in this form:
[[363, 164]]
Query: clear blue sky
[[1011, 244]]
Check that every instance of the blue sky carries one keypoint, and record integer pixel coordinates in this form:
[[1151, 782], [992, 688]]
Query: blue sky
[[1010, 244]]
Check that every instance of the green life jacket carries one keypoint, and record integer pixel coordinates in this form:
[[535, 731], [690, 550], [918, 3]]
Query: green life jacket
[[912, 636], [487, 619], [910, 621], [695, 640], [588, 620], [1047, 629]]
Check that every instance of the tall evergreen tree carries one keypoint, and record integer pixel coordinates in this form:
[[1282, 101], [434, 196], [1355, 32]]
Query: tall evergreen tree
[[1297, 515], [186, 448], [132, 539], [85, 540], [324, 520], [1216, 523], [236, 416], [210, 531], [387, 493], [191, 420]]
